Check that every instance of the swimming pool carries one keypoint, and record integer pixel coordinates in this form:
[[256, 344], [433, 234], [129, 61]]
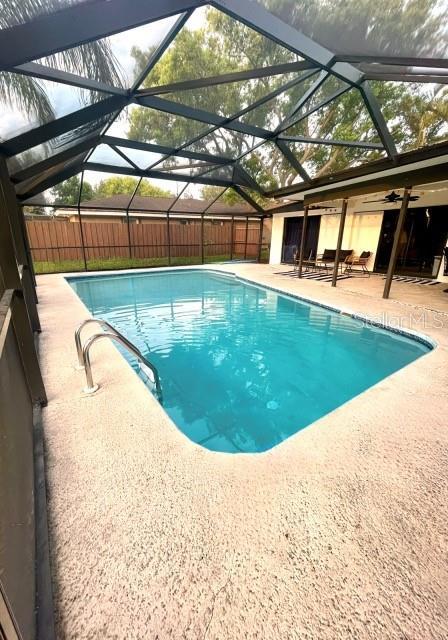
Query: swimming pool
[[243, 367]]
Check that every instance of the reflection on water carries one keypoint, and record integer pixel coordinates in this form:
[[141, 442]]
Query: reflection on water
[[243, 367]]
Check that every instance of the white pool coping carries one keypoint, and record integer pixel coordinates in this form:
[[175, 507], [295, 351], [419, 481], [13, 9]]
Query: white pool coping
[[337, 532]]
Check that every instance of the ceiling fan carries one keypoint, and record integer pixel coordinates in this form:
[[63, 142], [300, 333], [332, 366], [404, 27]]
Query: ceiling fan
[[392, 198]]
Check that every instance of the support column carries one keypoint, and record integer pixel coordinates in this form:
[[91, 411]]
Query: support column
[[245, 240], [260, 238], [232, 227], [398, 230], [202, 238], [128, 222], [128, 225], [14, 215], [28, 253], [339, 243], [168, 236], [11, 280], [302, 241], [81, 231]]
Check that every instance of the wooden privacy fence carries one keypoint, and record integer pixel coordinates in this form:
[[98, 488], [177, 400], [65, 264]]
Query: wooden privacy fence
[[58, 240]]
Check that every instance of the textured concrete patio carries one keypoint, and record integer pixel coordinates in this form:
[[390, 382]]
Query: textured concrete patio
[[340, 532]]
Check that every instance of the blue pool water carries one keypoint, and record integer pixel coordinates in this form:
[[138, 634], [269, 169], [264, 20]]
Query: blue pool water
[[243, 367]]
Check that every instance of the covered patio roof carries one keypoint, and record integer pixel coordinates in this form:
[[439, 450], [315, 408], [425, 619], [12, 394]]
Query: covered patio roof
[[299, 108]]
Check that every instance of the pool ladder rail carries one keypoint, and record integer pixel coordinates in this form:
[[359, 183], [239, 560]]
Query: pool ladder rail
[[111, 333]]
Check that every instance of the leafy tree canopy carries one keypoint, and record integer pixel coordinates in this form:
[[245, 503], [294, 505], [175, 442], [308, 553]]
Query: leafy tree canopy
[[387, 27], [67, 192], [116, 185], [35, 211], [230, 197], [416, 114]]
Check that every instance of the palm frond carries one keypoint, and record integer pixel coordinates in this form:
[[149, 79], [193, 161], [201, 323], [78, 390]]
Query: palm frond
[[27, 95], [93, 60]]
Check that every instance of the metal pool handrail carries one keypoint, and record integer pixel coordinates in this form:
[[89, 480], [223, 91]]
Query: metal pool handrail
[[113, 334], [91, 386], [78, 344]]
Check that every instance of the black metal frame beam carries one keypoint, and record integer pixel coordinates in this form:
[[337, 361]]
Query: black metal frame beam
[[237, 76], [258, 18], [62, 125], [43, 165], [292, 160], [64, 77], [156, 214], [323, 75], [160, 50], [191, 113], [210, 205], [155, 57], [434, 63], [244, 178], [399, 77], [169, 151], [248, 199], [49, 182], [159, 175], [55, 32], [402, 70], [81, 230], [378, 120], [335, 143], [290, 207], [404, 161], [225, 123], [319, 105]]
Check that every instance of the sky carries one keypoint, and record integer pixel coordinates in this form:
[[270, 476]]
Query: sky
[[66, 99]]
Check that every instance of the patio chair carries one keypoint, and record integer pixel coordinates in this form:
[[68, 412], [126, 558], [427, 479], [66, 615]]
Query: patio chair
[[358, 261], [345, 254], [327, 258], [306, 261]]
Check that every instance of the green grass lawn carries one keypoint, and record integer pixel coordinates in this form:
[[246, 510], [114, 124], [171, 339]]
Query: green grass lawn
[[99, 264]]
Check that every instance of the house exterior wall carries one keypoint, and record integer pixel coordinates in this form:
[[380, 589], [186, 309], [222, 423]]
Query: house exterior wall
[[362, 225], [361, 233], [278, 225]]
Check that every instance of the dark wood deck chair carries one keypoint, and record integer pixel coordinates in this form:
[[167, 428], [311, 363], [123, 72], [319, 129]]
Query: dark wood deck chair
[[358, 261]]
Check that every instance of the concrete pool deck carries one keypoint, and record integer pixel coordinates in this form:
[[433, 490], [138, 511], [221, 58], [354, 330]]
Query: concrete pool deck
[[339, 532]]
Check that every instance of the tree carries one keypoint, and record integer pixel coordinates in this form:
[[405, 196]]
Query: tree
[[117, 185], [35, 210], [387, 27], [67, 192], [230, 196], [416, 115], [94, 60], [221, 46]]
